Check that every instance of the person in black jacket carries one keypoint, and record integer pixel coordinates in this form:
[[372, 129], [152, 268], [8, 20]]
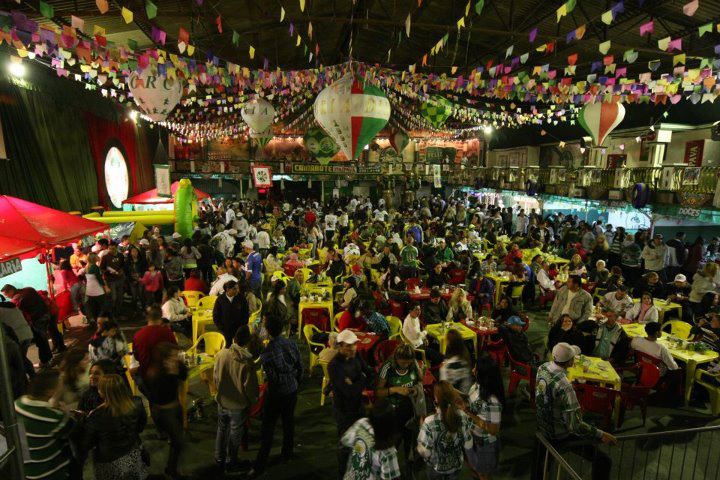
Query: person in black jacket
[[113, 430], [434, 311], [16, 365], [436, 278], [349, 376], [516, 340], [230, 311], [565, 331]]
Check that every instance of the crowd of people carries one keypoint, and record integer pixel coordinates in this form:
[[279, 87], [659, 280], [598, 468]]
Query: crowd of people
[[427, 405]]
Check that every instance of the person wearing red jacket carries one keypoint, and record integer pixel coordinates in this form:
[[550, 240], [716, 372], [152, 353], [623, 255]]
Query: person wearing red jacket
[[195, 283]]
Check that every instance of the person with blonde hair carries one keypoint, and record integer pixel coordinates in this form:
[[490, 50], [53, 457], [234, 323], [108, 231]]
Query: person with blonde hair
[[445, 435], [459, 307], [112, 432], [702, 285]]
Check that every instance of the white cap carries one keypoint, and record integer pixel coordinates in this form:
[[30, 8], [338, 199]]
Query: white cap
[[563, 352], [144, 241], [176, 235], [347, 336], [680, 278], [247, 244]]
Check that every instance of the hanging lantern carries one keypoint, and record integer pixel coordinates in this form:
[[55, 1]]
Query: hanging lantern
[[399, 140], [599, 119], [436, 111], [352, 113], [320, 145], [155, 95], [258, 114]]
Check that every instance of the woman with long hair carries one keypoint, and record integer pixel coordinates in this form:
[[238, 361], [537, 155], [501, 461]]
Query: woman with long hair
[[576, 266], [73, 378], [398, 382], [645, 311], [503, 310], [485, 410], [445, 435], [95, 289], [113, 430], [90, 399], [163, 378], [372, 440], [459, 307], [456, 366]]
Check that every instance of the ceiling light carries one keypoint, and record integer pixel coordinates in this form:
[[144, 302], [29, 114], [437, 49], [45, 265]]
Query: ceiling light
[[133, 115], [16, 69], [488, 129]]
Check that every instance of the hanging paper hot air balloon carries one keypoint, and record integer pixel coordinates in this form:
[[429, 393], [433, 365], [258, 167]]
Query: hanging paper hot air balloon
[[399, 140], [258, 114], [352, 112], [436, 111], [155, 95], [320, 145], [263, 137], [599, 119]]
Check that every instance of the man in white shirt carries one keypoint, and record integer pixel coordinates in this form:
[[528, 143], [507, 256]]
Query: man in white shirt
[[352, 205], [380, 214], [411, 330], [218, 285], [544, 279], [229, 216], [618, 301], [241, 225], [650, 346], [263, 240], [330, 225]]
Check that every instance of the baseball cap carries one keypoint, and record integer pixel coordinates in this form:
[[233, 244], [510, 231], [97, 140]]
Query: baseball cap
[[144, 241], [176, 235], [515, 320], [563, 351], [680, 278], [347, 336]]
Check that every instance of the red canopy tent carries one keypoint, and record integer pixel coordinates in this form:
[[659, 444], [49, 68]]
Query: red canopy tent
[[28, 228], [151, 196]]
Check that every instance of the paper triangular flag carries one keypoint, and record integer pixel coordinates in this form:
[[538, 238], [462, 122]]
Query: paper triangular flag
[[702, 30], [461, 23], [679, 59], [127, 15], [77, 22], [282, 14], [663, 43], [604, 47], [509, 51], [251, 52], [561, 12], [580, 32], [302, 5], [689, 9], [408, 20], [46, 10], [467, 8], [479, 6], [150, 9], [102, 5], [607, 17], [190, 50]]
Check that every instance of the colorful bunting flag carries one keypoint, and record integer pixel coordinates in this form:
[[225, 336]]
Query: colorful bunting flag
[[282, 14], [647, 28], [607, 17], [46, 10], [479, 6], [218, 22], [689, 9], [251, 52], [703, 29], [150, 9], [533, 35], [604, 47], [302, 5], [102, 5], [235, 38], [408, 20], [127, 15]]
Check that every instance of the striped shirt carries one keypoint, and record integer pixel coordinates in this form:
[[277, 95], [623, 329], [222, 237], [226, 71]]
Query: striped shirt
[[442, 449], [46, 432], [489, 410]]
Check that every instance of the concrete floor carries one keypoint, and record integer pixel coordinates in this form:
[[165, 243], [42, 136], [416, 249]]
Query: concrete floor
[[316, 435]]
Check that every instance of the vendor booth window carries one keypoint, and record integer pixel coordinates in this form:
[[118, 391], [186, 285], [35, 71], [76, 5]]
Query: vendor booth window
[[116, 177]]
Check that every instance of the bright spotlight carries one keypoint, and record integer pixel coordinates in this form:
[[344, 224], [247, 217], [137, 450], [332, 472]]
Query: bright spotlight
[[488, 129], [133, 115], [16, 69]]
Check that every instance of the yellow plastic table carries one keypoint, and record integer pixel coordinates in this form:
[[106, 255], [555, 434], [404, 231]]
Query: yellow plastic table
[[196, 369], [691, 358], [438, 330], [327, 305], [664, 307], [595, 370], [199, 320]]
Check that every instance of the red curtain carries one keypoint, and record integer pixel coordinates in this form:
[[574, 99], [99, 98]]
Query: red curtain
[[104, 134]]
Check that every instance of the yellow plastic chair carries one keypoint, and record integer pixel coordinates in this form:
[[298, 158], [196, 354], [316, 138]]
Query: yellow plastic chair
[[214, 342], [678, 328], [322, 255], [191, 297], [127, 360], [325, 381], [334, 323], [516, 296], [709, 381], [309, 331], [306, 273], [599, 293], [206, 303], [395, 326]]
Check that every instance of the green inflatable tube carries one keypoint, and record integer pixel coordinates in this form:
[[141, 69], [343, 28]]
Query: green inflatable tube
[[147, 220], [185, 208], [121, 213]]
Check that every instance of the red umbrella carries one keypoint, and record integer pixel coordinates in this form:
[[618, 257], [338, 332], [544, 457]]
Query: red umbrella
[[28, 228], [151, 196]]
